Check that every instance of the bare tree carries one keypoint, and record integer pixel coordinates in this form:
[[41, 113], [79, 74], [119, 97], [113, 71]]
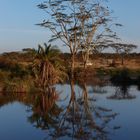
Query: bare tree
[[75, 23]]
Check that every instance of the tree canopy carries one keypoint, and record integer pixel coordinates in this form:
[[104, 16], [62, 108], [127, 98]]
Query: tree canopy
[[79, 24]]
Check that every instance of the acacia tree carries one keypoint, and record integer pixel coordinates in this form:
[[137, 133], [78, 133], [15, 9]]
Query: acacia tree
[[123, 49], [75, 23]]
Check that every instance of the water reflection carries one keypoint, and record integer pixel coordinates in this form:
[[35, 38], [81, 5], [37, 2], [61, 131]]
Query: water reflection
[[44, 110], [79, 118], [6, 98], [98, 90], [122, 91], [122, 81], [138, 84], [82, 119]]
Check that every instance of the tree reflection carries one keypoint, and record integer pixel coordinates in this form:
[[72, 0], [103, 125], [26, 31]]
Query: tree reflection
[[5, 99], [138, 83], [98, 90], [45, 110], [122, 92], [122, 82], [138, 87], [79, 118], [82, 119]]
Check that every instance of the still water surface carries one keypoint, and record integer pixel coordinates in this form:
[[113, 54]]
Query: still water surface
[[112, 113]]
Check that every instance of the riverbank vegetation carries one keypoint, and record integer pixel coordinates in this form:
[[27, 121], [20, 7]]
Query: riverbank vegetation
[[19, 70]]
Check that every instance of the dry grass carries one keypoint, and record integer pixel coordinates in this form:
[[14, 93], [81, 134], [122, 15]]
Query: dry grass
[[130, 63]]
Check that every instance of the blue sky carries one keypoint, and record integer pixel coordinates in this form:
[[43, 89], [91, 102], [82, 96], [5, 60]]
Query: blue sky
[[18, 19]]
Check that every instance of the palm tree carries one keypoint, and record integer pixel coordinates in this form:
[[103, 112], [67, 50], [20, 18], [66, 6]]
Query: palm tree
[[47, 67]]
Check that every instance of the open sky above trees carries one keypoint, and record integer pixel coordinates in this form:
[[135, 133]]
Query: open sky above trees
[[18, 19]]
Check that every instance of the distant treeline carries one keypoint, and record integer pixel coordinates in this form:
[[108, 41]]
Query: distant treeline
[[11, 58], [136, 56]]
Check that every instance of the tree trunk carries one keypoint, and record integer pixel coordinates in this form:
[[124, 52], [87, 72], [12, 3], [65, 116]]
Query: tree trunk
[[85, 58], [85, 64], [122, 59], [72, 66], [72, 90]]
